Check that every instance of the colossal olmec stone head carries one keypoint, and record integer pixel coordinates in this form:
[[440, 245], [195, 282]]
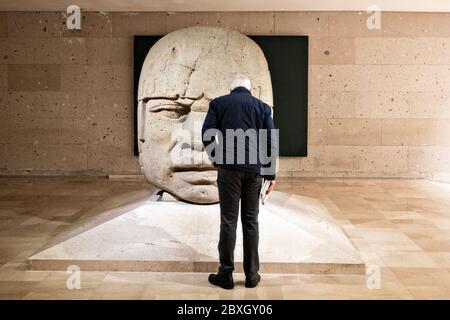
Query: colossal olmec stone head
[[181, 74]]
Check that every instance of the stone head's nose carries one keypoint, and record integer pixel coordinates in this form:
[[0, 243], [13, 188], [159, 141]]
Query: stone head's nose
[[193, 125]]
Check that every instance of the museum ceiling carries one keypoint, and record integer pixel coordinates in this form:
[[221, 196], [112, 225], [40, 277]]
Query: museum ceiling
[[226, 5]]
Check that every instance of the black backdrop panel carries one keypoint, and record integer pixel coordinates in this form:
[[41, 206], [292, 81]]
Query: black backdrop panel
[[142, 45], [287, 57]]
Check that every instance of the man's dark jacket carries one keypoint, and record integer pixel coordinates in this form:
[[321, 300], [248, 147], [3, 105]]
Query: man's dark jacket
[[241, 110]]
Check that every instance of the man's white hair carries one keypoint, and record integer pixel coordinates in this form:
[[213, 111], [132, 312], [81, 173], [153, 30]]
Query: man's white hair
[[241, 81]]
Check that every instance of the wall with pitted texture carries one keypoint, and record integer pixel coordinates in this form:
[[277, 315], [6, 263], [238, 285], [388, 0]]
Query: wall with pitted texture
[[379, 100]]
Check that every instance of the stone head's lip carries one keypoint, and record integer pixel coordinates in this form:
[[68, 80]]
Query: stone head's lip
[[198, 177]]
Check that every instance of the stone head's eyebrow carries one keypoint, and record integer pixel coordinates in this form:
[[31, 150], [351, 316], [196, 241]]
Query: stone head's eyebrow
[[156, 104], [147, 99], [177, 98]]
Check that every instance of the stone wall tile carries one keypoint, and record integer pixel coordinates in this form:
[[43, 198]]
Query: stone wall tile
[[33, 51], [409, 24], [354, 77], [317, 131], [236, 20], [3, 50], [112, 159], [51, 158], [301, 23], [337, 159], [352, 24], [72, 104], [35, 131], [331, 50], [354, 132], [3, 78], [434, 105], [109, 131], [260, 23], [114, 51], [44, 104], [382, 160], [416, 132], [289, 164], [318, 78], [179, 20], [382, 104], [3, 24], [90, 78], [73, 131], [428, 159], [442, 79], [35, 24], [399, 51], [128, 24], [79, 50], [331, 104], [123, 77], [34, 77], [443, 24], [409, 78], [93, 25], [5, 130], [3, 104], [31, 104], [114, 104]]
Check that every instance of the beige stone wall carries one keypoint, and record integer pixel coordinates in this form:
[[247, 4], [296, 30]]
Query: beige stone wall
[[379, 101]]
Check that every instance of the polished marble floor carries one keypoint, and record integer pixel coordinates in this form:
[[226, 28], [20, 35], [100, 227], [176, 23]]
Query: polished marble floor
[[401, 228]]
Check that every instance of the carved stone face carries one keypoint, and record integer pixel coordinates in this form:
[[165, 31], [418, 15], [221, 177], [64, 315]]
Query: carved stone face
[[181, 74]]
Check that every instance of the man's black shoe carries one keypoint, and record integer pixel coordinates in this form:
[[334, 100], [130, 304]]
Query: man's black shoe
[[222, 279], [251, 283]]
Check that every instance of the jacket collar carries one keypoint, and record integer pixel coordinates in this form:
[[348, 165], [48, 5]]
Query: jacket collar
[[240, 89]]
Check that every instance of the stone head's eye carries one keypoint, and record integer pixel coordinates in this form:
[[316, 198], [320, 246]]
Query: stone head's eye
[[175, 108], [173, 113]]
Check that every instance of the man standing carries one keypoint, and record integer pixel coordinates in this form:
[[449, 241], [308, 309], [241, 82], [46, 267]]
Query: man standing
[[237, 119]]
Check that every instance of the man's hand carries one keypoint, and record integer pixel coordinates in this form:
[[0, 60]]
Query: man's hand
[[271, 186]]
